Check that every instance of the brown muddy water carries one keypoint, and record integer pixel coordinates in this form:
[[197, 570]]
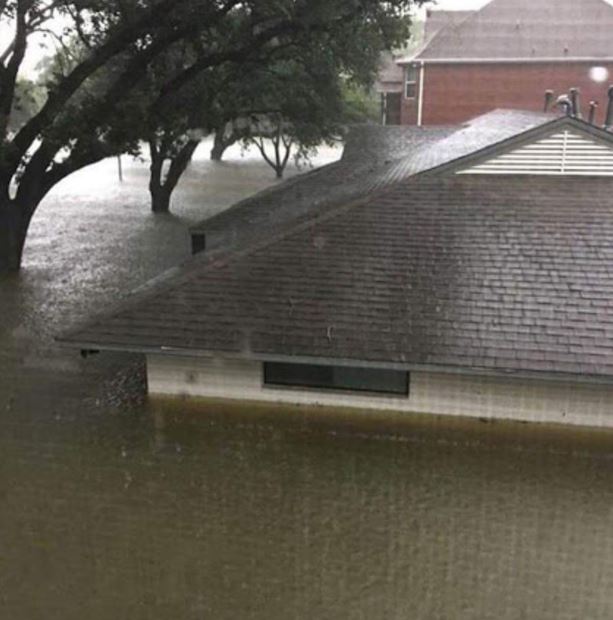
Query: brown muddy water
[[115, 507]]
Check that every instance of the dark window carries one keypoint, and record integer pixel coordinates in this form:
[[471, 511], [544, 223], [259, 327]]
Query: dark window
[[411, 83], [337, 378]]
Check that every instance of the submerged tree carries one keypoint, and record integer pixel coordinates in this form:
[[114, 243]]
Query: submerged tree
[[275, 131], [74, 128], [286, 103], [306, 98], [289, 107], [174, 131], [358, 104]]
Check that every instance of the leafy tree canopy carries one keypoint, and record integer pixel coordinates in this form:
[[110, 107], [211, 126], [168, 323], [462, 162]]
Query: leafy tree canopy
[[77, 125]]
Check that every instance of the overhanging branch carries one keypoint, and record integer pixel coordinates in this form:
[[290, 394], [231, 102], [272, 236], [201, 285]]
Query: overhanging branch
[[118, 42]]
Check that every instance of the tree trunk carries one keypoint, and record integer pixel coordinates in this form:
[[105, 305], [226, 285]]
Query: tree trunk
[[278, 161], [220, 145], [160, 198], [14, 221], [161, 188]]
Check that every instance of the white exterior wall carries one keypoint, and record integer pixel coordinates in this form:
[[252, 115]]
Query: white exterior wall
[[435, 393]]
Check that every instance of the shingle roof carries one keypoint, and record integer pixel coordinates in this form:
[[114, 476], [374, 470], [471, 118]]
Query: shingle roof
[[526, 29], [370, 152], [390, 73], [374, 158], [484, 131], [436, 20], [488, 273]]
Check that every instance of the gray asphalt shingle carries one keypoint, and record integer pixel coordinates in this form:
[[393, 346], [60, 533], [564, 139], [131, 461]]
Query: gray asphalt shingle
[[374, 157], [524, 29], [496, 273]]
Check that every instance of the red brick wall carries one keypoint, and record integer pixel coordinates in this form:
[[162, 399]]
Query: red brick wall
[[456, 93]]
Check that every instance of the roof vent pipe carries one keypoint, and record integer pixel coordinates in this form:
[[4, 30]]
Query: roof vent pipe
[[593, 106], [549, 95], [574, 101], [565, 104], [609, 120]]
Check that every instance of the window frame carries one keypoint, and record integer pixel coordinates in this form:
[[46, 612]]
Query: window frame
[[411, 80], [268, 383]]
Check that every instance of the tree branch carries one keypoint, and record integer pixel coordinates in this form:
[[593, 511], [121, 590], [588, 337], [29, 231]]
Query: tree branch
[[47, 173], [44, 14], [262, 149], [213, 59], [56, 100], [78, 22], [179, 164], [288, 150], [7, 52], [281, 28], [9, 75]]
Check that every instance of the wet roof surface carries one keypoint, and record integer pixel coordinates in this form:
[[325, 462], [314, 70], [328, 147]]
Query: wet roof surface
[[481, 132], [506, 29], [437, 19], [487, 273], [374, 157], [370, 152]]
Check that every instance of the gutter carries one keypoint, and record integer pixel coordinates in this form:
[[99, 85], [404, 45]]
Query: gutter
[[90, 348]]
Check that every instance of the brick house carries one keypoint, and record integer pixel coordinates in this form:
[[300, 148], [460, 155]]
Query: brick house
[[506, 55]]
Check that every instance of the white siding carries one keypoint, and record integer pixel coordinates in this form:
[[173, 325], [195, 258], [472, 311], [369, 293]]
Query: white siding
[[435, 393], [564, 153]]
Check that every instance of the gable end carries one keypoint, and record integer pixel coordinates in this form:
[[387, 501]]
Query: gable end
[[566, 152]]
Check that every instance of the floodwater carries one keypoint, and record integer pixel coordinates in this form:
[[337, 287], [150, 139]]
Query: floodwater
[[115, 507]]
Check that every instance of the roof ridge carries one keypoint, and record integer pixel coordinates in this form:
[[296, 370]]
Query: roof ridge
[[267, 191], [451, 25]]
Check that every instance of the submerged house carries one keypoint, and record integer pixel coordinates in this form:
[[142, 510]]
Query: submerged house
[[475, 285], [506, 54]]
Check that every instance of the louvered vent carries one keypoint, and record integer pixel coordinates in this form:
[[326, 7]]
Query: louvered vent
[[565, 153]]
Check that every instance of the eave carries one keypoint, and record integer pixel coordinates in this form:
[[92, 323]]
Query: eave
[[477, 371]]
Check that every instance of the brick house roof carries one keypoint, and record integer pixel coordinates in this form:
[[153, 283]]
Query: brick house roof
[[527, 30], [390, 75], [498, 274], [436, 20]]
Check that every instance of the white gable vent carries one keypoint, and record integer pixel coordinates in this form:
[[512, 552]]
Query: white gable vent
[[564, 153]]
